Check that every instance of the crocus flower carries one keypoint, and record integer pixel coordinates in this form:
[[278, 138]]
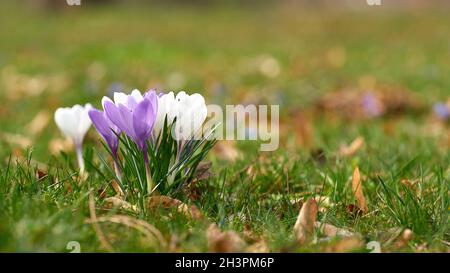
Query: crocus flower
[[110, 134], [106, 129], [133, 114], [74, 123], [190, 112], [166, 106]]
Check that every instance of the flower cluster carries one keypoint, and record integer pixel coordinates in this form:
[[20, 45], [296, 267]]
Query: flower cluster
[[148, 135]]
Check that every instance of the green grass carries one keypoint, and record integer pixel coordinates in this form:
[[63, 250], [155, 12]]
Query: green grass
[[215, 50]]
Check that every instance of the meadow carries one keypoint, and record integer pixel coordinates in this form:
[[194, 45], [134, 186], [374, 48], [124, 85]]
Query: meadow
[[319, 66]]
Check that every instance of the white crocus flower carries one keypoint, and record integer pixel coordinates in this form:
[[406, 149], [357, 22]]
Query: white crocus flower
[[166, 106], [74, 122], [191, 112]]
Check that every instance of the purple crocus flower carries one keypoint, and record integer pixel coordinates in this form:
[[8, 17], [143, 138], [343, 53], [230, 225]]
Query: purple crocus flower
[[106, 129], [133, 114]]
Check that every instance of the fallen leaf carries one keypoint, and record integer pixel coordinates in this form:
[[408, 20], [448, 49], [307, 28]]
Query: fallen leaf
[[114, 202], [39, 122], [258, 247], [304, 226], [166, 202], [101, 192], [358, 191], [226, 150], [345, 245], [332, 231], [203, 171], [346, 151], [323, 203], [16, 139], [119, 192], [59, 145], [223, 241], [402, 241], [40, 174]]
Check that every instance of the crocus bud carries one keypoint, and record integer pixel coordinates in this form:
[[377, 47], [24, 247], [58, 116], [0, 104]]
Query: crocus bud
[[74, 122], [191, 112], [166, 105]]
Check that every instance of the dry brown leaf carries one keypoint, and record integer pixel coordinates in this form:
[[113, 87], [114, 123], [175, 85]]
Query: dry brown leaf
[[166, 202], [323, 203], [226, 150], [119, 193], [332, 231], [41, 174], [16, 139], [114, 202], [358, 191], [402, 241], [195, 188], [304, 226], [101, 192], [258, 247], [224, 241], [58, 145], [39, 122], [203, 171], [301, 123], [346, 244], [350, 150]]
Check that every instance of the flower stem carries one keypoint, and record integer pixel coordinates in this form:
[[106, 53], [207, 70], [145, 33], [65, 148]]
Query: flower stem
[[148, 174], [79, 152]]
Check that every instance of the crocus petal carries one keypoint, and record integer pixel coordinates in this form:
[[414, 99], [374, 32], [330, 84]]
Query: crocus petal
[[151, 95], [105, 128], [73, 122], [131, 102], [115, 116], [126, 117], [136, 95], [191, 113], [143, 120], [66, 122], [166, 104], [84, 122], [120, 97]]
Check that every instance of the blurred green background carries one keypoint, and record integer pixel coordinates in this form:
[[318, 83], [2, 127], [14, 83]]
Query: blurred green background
[[289, 53]]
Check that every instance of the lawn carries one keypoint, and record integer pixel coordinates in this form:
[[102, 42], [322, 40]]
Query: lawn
[[316, 65]]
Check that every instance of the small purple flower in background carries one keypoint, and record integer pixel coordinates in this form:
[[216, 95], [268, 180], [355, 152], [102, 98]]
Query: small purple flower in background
[[372, 106], [133, 114], [442, 111]]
